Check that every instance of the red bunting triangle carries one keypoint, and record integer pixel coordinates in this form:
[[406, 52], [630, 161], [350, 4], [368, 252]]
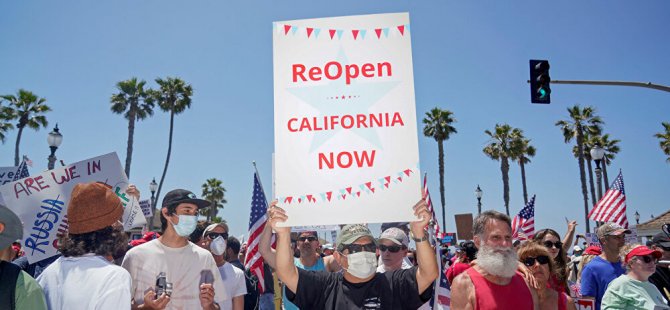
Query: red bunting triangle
[[299, 200], [408, 171], [378, 31], [288, 200], [400, 179], [287, 28], [309, 198], [332, 33], [388, 179], [401, 29], [373, 190], [309, 31], [349, 190], [358, 194], [387, 185], [344, 197], [329, 195], [369, 185], [355, 33]]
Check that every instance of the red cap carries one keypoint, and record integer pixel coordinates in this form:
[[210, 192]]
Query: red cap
[[642, 251], [593, 250]]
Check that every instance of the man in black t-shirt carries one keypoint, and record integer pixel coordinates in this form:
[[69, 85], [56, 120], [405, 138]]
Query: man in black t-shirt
[[661, 278], [359, 286]]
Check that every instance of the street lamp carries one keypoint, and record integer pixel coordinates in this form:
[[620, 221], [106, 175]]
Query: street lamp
[[152, 187], [597, 153], [478, 194], [54, 139], [637, 218]]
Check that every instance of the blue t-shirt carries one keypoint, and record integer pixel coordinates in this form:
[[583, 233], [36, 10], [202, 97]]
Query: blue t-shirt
[[597, 274]]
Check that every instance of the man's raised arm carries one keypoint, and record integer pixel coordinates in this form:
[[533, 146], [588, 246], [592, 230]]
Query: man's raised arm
[[425, 254], [286, 270]]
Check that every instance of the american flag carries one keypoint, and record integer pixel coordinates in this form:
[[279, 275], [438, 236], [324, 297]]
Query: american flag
[[28, 161], [21, 171], [257, 219], [612, 207], [523, 224], [426, 195]]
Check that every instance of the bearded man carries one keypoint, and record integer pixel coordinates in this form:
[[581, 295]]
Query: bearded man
[[493, 282]]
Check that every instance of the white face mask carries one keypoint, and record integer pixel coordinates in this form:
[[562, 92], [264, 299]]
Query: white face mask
[[362, 264], [218, 246]]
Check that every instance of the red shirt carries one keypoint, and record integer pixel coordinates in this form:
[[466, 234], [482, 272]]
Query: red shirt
[[491, 296], [455, 270]]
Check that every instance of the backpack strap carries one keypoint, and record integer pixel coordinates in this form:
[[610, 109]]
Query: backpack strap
[[9, 274]]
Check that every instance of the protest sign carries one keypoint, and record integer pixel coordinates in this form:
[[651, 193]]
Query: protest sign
[[41, 201], [464, 226], [317, 228], [345, 120], [7, 174], [585, 304], [146, 207], [449, 239]]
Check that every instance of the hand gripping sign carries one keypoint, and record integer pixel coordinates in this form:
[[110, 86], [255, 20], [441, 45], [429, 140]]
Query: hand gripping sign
[[41, 201], [346, 147]]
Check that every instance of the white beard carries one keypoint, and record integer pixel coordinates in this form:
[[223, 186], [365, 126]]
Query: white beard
[[498, 261]]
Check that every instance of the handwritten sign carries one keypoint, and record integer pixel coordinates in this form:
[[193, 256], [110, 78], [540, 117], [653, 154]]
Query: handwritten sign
[[41, 200], [7, 174], [146, 207], [346, 147]]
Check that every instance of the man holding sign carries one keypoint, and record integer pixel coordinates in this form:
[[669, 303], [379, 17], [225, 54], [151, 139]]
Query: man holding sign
[[359, 286]]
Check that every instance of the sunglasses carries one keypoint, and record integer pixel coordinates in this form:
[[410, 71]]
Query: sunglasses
[[530, 261], [355, 248], [647, 259], [213, 235], [310, 239], [549, 244], [392, 248]]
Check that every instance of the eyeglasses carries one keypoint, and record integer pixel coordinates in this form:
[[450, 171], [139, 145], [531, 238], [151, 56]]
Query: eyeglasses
[[549, 244], [214, 235], [355, 248], [530, 261], [647, 259], [309, 238], [392, 248]]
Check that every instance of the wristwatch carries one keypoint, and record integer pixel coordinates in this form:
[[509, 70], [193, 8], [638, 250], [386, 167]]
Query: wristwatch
[[424, 238]]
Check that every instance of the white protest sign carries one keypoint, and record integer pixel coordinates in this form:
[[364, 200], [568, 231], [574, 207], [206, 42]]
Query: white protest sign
[[41, 201], [7, 174], [146, 207], [346, 147]]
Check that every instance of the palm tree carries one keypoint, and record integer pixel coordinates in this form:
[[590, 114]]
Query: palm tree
[[28, 109], [611, 148], [523, 151], [132, 100], [174, 96], [214, 192], [589, 143], [664, 138], [581, 120], [6, 116], [437, 125], [501, 147]]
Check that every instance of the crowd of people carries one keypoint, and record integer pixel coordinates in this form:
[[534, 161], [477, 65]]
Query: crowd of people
[[195, 264]]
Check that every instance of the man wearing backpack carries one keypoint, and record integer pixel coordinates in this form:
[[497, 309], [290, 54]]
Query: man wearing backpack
[[17, 289]]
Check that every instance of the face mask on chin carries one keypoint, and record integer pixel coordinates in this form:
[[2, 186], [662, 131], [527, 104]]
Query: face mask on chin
[[185, 226], [362, 264], [218, 246]]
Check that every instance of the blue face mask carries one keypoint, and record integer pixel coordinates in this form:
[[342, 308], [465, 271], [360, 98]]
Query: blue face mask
[[186, 225]]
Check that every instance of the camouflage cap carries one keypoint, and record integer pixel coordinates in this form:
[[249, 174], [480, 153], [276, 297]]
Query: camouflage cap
[[352, 232]]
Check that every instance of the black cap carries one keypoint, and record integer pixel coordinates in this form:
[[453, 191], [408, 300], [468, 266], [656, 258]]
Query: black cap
[[177, 196], [661, 239]]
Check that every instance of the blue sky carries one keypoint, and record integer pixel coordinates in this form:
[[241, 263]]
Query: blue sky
[[469, 57]]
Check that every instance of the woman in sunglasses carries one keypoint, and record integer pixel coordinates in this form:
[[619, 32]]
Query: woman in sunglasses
[[633, 290], [550, 239], [537, 258]]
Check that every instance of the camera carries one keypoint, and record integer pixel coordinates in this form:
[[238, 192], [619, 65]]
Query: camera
[[162, 285]]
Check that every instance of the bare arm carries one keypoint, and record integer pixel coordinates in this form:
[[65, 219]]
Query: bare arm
[[265, 243], [569, 235], [238, 302], [570, 304], [286, 270], [425, 254], [462, 293]]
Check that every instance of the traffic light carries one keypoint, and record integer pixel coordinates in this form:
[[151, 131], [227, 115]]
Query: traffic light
[[539, 81]]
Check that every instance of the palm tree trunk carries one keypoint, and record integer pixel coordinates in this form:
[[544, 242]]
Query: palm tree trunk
[[504, 167], [440, 155], [582, 177], [523, 180], [593, 188], [167, 159], [129, 148], [607, 181], [16, 149]]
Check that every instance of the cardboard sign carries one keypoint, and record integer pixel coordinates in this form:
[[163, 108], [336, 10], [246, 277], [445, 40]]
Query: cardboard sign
[[346, 147], [464, 226], [7, 174], [146, 207], [41, 201]]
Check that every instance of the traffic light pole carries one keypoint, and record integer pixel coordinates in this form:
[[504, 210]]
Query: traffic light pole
[[615, 83]]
